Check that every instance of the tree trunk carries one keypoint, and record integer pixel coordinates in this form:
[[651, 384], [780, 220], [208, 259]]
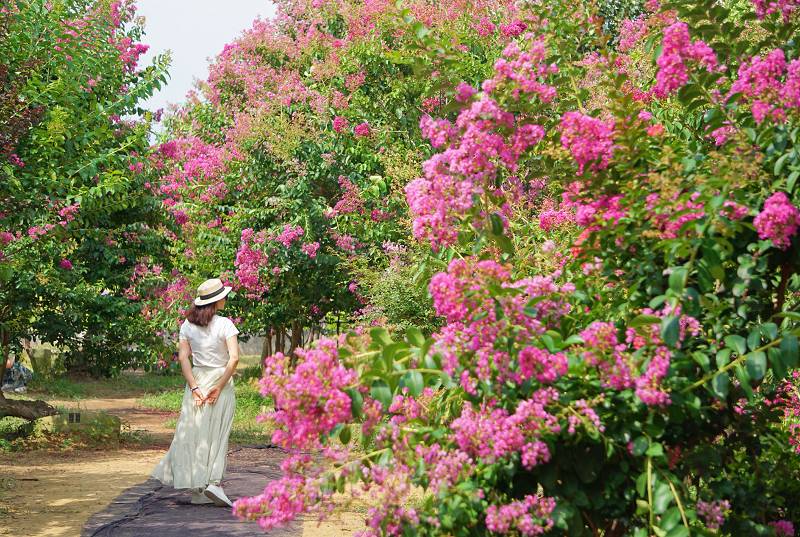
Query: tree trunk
[[266, 349], [297, 336]]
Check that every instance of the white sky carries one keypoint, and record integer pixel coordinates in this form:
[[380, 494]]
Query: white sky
[[195, 31]]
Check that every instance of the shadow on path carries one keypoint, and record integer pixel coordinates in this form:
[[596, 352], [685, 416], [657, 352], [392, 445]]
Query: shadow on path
[[151, 509]]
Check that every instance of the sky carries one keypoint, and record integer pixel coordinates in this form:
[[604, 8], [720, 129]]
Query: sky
[[195, 31]]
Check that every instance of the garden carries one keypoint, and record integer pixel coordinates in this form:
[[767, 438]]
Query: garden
[[508, 267]]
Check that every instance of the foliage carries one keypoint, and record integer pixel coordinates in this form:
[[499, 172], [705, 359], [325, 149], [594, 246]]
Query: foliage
[[76, 214], [618, 352]]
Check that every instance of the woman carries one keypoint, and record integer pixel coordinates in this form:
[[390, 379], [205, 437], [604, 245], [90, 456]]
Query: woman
[[196, 458]]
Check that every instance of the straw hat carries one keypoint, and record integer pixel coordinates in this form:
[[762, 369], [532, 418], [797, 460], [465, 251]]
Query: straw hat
[[211, 291]]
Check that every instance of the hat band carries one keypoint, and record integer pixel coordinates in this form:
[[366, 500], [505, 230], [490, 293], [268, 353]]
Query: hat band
[[212, 295]]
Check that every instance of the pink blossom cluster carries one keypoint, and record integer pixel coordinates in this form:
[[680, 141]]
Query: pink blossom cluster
[[620, 363], [289, 234], [542, 365], [309, 398], [524, 71], [351, 201], [445, 467], [362, 130], [713, 513], [677, 49], [778, 220], [340, 124], [480, 327], [440, 132], [768, 7], [248, 265], [282, 500], [589, 139], [310, 249], [528, 517], [491, 434], [770, 85], [783, 528]]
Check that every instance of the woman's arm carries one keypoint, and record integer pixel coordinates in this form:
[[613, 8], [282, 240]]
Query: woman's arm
[[184, 351], [233, 361]]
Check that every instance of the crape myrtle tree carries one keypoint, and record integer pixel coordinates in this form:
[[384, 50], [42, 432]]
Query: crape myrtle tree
[[75, 213], [617, 216], [288, 167]]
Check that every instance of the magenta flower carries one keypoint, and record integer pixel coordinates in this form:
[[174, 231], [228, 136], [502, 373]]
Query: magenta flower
[[778, 221], [340, 123], [590, 140], [362, 130], [65, 264]]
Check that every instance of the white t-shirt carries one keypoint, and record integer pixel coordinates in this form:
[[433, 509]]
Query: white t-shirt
[[208, 343]]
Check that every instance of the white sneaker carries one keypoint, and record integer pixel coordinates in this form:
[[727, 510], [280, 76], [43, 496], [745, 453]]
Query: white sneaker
[[217, 495], [198, 498], [21, 389]]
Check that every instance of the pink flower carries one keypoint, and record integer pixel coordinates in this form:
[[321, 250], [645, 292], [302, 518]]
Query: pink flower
[[310, 249], [464, 92], [65, 264], [340, 123], [590, 140], [778, 221], [783, 528], [677, 49], [362, 130], [713, 513]]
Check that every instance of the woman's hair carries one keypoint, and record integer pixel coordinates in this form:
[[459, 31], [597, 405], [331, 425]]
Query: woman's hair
[[201, 315]]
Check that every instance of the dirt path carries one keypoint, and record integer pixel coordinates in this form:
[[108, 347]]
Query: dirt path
[[55, 493]]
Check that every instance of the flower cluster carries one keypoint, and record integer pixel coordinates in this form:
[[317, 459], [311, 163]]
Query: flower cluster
[[677, 50], [309, 398], [529, 516], [778, 221], [770, 85], [590, 140], [713, 513]]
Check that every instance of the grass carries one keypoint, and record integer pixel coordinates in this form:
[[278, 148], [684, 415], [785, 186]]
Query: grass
[[249, 404]]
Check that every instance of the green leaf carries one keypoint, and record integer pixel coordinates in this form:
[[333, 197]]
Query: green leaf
[[677, 279], [754, 339], [670, 330], [756, 365], [643, 320], [415, 337], [702, 360], [655, 450], [380, 392], [721, 384], [779, 164], [737, 343], [344, 435], [356, 402], [414, 382], [662, 497], [497, 224], [792, 180], [640, 445], [723, 358], [381, 335], [789, 350], [744, 380]]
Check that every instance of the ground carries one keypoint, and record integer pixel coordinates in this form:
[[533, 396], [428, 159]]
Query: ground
[[54, 489]]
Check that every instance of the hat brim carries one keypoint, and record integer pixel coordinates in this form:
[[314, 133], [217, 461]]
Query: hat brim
[[226, 290]]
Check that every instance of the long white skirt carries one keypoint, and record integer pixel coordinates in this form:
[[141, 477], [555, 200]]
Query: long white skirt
[[199, 449]]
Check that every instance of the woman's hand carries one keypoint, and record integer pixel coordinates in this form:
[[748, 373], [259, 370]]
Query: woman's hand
[[212, 395], [198, 397]]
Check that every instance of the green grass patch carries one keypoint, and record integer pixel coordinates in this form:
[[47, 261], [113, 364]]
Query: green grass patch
[[249, 404]]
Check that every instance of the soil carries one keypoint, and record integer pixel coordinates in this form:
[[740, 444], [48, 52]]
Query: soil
[[53, 493]]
